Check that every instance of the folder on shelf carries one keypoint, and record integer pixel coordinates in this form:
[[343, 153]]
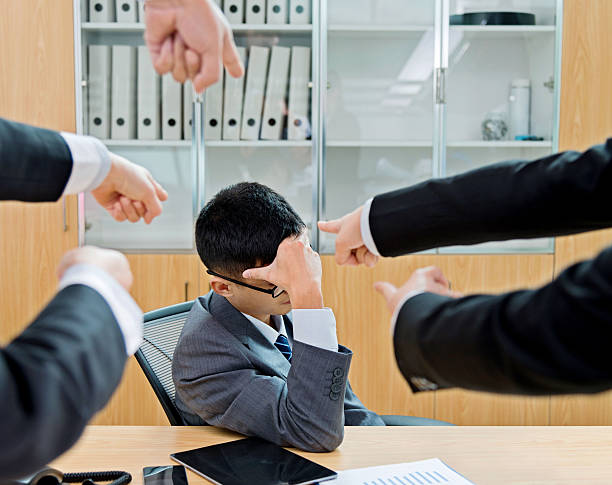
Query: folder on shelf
[[148, 94], [255, 11], [123, 93], [171, 109], [276, 12], [141, 12], [101, 10], [126, 11], [213, 110], [98, 90], [232, 102], [298, 125], [276, 92], [187, 109], [234, 11], [254, 92], [299, 12]]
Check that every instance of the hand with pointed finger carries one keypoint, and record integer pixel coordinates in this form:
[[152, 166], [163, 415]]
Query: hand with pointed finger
[[183, 34], [350, 248], [112, 262], [296, 269], [424, 280], [130, 192]]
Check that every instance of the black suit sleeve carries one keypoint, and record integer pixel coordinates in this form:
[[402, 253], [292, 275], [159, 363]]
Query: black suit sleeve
[[560, 194], [35, 163], [55, 376], [552, 340]]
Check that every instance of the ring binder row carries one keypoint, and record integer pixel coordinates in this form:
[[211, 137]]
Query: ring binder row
[[254, 12], [128, 100]]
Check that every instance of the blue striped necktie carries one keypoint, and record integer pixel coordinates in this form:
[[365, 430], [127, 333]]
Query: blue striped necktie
[[282, 344]]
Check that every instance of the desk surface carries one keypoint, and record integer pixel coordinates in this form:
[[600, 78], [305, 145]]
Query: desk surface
[[485, 455]]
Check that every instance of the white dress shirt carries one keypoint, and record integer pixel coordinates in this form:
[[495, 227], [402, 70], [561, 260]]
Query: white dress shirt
[[90, 166]]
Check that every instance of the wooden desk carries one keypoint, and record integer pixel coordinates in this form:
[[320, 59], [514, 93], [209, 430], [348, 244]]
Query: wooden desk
[[485, 455]]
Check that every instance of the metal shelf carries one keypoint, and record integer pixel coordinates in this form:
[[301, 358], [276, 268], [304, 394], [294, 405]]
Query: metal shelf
[[236, 28]]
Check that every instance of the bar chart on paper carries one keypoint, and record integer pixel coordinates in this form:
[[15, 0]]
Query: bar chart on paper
[[426, 472]]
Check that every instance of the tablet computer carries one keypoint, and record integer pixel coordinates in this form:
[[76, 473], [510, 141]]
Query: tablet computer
[[252, 460]]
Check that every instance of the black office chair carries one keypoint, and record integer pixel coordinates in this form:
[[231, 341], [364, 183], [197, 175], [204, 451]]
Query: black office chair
[[162, 329]]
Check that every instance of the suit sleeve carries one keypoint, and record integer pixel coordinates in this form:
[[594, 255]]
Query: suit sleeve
[[548, 341], [35, 163], [55, 376], [561, 194]]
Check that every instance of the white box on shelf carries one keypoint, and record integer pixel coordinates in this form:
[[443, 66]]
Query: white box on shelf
[[171, 109], [254, 92], [232, 102], [141, 11], [213, 110], [234, 11], [126, 11], [187, 110], [255, 11], [101, 10], [275, 106], [276, 12], [298, 125], [98, 90], [148, 95], [299, 12], [123, 93]]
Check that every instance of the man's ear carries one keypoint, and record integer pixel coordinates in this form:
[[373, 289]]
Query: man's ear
[[221, 287]]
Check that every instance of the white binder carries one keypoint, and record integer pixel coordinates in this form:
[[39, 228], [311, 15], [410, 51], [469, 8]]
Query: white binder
[[171, 109], [254, 92], [234, 11], [98, 90], [276, 92], [101, 10], [123, 93], [141, 12], [213, 110], [148, 94], [276, 12], [255, 11], [299, 93], [232, 103], [299, 12], [126, 11], [187, 109]]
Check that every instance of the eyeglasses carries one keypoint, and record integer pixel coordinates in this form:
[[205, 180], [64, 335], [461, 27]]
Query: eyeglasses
[[275, 291]]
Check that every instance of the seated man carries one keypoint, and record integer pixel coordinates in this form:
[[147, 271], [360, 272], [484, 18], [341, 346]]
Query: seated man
[[242, 361]]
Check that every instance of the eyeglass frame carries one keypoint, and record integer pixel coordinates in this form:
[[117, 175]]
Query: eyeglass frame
[[269, 291]]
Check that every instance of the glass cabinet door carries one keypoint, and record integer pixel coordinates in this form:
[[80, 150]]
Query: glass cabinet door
[[378, 102]]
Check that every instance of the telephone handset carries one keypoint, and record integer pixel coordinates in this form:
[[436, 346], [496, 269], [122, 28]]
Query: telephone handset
[[51, 476]]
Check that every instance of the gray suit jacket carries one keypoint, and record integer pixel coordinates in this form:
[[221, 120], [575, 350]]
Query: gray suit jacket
[[228, 374]]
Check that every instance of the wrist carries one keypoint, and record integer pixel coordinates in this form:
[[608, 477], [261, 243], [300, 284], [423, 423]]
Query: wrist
[[307, 298]]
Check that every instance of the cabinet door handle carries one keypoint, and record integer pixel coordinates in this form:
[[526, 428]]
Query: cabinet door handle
[[186, 290], [65, 216]]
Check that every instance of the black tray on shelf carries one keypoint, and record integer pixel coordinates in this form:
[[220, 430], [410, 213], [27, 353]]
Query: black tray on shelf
[[493, 18]]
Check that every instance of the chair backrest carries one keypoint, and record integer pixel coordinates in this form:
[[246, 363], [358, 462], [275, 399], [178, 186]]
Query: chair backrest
[[162, 329]]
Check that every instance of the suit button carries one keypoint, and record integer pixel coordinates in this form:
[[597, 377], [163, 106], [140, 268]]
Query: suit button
[[337, 380], [338, 372], [334, 396], [336, 388]]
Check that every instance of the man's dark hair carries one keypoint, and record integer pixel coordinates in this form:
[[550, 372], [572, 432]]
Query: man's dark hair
[[242, 226]]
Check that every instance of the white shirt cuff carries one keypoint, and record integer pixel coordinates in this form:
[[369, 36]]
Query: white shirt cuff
[[124, 308], [366, 234], [399, 306], [316, 327], [90, 163]]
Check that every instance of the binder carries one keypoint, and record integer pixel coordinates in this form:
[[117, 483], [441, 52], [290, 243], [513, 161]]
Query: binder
[[187, 109], [148, 94], [298, 123], [255, 11], [299, 12], [101, 10], [171, 109], [254, 91], [141, 12], [98, 90], [123, 92], [232, 103], [276, 91], [213, 110], [276, 12], [234, 11], [126, 11]]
